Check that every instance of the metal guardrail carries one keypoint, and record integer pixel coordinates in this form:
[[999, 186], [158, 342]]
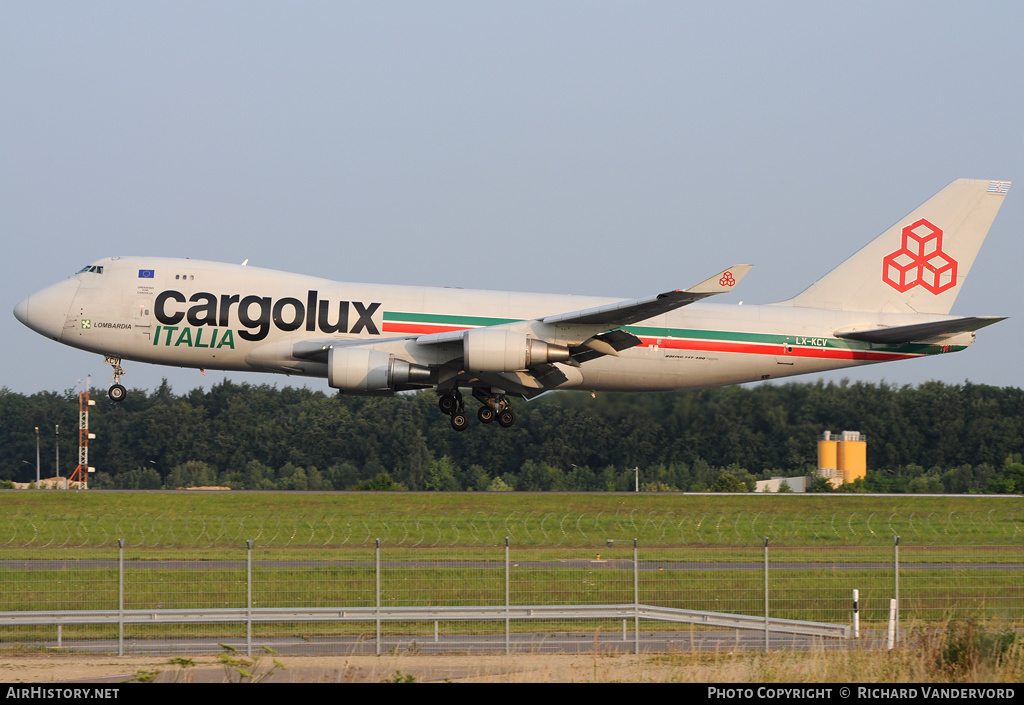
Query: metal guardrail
[[432, 614]]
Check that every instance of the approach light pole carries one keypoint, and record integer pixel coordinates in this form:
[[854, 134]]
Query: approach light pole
[[37, 457], [636, 471], [56, 445]]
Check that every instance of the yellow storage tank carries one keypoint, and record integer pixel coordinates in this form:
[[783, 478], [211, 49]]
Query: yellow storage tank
[[853, 456], [827, 454], [842, 457]]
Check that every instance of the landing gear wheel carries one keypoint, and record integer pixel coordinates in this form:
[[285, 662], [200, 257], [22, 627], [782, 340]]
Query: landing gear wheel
[[448, 404], [506, 418], [460, 421], [486, 414], [116, 392]]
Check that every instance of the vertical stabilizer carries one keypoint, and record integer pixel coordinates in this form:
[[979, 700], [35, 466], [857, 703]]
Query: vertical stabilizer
[[919, 264]]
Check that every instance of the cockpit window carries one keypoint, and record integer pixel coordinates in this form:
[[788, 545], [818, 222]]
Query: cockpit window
[[91, 268]]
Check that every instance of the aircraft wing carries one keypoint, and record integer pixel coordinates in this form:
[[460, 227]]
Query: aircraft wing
[[624, 313], [595, 331], [919, 332]]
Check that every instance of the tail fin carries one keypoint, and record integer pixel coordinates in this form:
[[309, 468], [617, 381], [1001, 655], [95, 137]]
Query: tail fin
[[919, 264]]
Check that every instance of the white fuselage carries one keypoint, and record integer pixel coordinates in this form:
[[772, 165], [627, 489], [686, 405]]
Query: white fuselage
[[192, 313]]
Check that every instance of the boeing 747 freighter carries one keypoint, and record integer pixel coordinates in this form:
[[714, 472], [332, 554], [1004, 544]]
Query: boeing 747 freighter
[[889, 301]]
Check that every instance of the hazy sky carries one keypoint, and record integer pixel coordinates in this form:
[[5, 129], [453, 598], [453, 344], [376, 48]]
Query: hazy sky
[[618, 149]]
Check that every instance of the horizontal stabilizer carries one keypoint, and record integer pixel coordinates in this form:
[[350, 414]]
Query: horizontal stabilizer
[[919, 331]]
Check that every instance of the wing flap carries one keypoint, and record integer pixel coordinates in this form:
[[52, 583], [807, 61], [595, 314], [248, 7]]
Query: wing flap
[[610, 343]]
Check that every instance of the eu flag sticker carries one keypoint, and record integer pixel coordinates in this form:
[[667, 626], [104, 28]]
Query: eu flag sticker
[[146, 273]]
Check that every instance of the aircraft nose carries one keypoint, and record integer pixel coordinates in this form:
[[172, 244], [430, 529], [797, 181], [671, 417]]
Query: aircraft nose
[[46, 311], [21, 311]]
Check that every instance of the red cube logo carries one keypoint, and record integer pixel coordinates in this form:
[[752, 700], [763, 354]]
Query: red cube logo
[[920, 261]]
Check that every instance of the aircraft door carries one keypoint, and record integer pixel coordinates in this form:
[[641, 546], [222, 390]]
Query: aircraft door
[[143, 316], [785, 356]]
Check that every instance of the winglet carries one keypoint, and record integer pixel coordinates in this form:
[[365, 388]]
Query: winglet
[[723, 281]]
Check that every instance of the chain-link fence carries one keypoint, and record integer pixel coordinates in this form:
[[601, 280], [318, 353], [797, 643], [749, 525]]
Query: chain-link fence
[[567, 582]]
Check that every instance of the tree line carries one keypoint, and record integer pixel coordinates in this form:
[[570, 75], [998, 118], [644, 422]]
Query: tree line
[[933, 437]]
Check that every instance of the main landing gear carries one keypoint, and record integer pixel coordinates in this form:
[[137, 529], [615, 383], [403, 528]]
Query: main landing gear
[[117, 392], [494, 407]]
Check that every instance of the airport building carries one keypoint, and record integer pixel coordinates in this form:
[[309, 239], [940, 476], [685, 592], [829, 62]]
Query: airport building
[[792, 484]]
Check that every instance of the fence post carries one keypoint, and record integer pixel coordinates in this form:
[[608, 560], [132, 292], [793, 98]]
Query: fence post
[[120, 597], [248, 597], [890, 641], [636, 600], [766, 594], [856, 614], [377, 590], [508, 597], [896, 603]]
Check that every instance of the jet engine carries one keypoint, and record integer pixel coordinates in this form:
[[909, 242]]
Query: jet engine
[[355, 369], [498, 350]]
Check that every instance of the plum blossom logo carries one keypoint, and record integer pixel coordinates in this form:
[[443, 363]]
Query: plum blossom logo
[[727, 280], [920, 261]]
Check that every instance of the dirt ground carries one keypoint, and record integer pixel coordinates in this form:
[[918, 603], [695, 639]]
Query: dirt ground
[[529, 668]]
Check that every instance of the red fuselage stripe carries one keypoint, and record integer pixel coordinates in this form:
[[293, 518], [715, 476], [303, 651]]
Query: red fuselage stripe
[[702, 345]]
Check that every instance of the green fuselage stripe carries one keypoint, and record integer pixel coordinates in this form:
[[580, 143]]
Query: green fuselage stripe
[[445, 319], [798, 342]]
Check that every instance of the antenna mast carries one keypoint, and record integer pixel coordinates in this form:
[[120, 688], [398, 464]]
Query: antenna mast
[[81, 473]]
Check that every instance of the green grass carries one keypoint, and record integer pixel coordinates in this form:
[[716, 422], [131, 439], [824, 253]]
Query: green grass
[[222, 520], [318, 550]]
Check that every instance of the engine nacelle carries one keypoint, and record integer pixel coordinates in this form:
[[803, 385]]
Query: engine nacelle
[[498, 350], [353, 369]]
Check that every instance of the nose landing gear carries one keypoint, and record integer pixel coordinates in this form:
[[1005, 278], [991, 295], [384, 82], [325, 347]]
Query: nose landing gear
[[117, 392]]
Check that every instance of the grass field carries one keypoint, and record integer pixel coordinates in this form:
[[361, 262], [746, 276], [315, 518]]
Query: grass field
[[190, 519], [960, 557]]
